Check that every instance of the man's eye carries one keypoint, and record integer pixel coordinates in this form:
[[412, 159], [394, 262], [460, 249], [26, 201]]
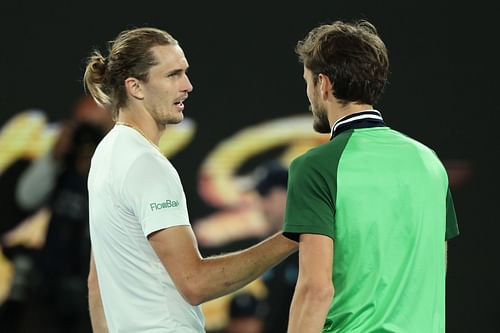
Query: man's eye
[[174, 74]]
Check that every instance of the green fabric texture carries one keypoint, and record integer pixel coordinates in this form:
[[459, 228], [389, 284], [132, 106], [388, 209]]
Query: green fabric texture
[[384, 199]]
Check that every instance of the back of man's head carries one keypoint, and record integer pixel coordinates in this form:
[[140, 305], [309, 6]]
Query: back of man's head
[[269, 176]]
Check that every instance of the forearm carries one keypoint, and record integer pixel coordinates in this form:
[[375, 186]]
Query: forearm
[[314, 290], [201, 279], [96, 310], [309, 309], [223, 274]]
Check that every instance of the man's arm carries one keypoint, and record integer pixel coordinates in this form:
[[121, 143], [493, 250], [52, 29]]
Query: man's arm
[[202, 279], [314, 290], [97, 318], [37, 182]]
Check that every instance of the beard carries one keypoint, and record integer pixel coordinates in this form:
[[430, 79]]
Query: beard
[[163, 120], [320, 122]]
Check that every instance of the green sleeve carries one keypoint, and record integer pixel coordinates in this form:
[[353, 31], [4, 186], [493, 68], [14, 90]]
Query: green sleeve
[[309, 207], [451, 218]]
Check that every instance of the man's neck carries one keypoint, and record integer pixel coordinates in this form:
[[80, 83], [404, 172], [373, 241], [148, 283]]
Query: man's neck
[[341, 111], [143, 121]]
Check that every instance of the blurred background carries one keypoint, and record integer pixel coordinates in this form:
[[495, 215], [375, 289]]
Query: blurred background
[[245, 121]]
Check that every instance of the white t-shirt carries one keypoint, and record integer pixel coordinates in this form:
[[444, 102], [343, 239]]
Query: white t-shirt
[[133, 191]]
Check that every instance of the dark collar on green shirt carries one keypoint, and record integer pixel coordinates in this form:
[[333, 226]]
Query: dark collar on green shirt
[[363, 119]]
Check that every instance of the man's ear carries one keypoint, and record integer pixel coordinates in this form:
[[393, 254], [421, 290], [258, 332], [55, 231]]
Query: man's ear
[[325, 85], [134, 88]]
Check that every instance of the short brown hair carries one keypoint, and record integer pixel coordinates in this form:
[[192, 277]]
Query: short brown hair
[[353, 57], [129, 55]]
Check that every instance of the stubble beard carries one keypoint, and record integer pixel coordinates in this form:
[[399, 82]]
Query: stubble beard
[[168, 119], [320, 122]]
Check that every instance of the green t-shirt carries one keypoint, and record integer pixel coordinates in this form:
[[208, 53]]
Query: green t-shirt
[[385, 201]]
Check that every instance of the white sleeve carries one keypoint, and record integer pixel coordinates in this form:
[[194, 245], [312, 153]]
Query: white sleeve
[[153, 191]]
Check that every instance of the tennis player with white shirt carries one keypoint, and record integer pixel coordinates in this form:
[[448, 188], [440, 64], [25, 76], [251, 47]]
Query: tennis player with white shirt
[[146, 273]]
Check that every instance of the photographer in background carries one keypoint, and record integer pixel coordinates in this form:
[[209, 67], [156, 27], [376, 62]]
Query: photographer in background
[[55, 285], [62, 264], [39, 179]]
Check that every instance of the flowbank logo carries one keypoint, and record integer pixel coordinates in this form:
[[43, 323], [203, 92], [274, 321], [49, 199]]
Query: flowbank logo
[[165, 204]]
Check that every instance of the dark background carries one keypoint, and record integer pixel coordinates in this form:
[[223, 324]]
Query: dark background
[[244, 71]]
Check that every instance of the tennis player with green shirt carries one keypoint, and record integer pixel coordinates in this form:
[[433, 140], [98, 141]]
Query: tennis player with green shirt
[[371, 208]]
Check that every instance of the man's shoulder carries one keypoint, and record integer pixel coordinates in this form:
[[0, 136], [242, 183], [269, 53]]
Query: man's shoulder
[[321, 156], [417, 150], [313, 154], [410, 140], [128, 147], [121, 155]]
